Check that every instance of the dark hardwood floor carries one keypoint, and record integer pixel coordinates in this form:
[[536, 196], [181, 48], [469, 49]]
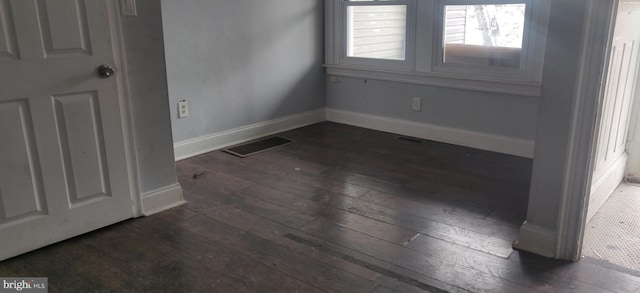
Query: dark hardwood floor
[[344, 209]]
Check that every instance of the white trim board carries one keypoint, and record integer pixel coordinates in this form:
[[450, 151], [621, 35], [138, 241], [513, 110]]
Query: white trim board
[[501, 144], [126, 105], [531, 89], [599, 24], [478, 140], [162, 199], [204, 144], [536, 239]]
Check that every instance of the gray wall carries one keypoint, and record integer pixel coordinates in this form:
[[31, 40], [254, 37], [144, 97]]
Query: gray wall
[[242, 62], [491, 113], [149, 97]]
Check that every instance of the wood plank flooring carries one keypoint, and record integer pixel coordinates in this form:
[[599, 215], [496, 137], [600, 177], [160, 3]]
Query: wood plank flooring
[[344, 209]]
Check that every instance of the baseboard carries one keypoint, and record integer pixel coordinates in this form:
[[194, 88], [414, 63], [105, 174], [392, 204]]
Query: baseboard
[[536, 239], [162, 199], [208, 143], [489, 142]]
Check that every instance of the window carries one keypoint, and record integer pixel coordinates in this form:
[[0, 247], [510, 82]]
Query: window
[[491, 38], [376, 33], [486, 35], [491, 45]]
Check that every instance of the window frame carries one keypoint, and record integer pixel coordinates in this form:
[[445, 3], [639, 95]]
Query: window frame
[[406, 64], [422, 56], [522, 73]]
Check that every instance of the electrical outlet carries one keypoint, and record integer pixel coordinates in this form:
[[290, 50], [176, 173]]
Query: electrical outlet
[[417, 104], [183, 109]]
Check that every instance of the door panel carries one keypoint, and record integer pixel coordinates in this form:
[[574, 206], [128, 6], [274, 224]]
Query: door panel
[[63, 168], [82, 142], [64, 26], [627, 74], [8, 41], [21, 184], [611, 152], [617, 109]]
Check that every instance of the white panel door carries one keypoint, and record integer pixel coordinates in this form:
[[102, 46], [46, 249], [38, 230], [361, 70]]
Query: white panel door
[[611, 150], [63, 168]]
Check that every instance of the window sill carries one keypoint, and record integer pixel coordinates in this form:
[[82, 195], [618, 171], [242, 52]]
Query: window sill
[[440, 80]]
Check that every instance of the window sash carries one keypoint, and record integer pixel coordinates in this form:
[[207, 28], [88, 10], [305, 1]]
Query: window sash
[[521, 72], [409, 46], [375, 2]]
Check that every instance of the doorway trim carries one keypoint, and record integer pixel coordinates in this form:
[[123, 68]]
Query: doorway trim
[[126, 109], [596, 45]]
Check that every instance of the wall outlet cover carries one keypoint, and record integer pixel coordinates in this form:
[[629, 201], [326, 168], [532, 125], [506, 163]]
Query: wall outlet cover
[[417, 104], [183, 109]]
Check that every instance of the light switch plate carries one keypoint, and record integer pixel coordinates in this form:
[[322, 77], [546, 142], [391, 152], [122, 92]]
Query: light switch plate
[[128, 8]]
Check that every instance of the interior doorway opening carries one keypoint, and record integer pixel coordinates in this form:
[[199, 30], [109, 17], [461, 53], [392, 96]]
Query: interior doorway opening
[[612, 232]]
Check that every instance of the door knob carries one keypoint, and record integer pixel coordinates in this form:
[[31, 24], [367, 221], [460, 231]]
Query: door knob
[[106, 71]]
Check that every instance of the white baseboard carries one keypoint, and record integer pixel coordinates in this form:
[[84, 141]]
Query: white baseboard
[[489, 142], [162, 199], [200, 145], [208, 143], [536, 239]]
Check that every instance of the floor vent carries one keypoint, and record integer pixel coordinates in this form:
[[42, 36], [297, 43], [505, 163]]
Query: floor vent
[[410, 139], [258, 146]]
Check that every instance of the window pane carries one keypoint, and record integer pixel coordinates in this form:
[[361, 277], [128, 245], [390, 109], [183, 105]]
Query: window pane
[[377, 31], [484, 34]]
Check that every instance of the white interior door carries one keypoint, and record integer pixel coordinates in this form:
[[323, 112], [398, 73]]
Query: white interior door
[[63, 168], [611, 150]]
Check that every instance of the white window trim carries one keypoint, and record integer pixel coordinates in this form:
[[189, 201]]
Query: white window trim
[[424, 69], [437, 79]]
